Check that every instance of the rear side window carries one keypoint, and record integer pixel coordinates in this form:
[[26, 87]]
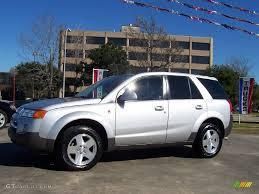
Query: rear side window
[[181, 87], [194, 91], [214, 88]]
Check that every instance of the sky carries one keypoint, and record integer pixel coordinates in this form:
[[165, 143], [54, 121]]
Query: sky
[[17, 16]]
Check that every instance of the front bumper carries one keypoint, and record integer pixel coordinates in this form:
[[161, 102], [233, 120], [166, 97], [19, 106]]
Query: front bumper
[[31, 140], [229, 127]]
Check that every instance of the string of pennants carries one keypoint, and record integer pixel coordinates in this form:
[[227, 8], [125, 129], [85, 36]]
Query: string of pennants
[[197, 8], [193, 18], [233, 7]]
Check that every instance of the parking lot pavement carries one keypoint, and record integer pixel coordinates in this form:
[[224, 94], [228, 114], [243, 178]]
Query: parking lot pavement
[[165, 170]]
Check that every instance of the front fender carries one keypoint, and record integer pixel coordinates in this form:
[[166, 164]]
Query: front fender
[[66, 119]]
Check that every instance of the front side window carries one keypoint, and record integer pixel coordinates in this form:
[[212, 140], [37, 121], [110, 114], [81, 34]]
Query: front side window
[[148, 88]]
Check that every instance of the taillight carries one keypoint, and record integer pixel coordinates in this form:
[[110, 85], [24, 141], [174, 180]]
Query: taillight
[[230, 106]]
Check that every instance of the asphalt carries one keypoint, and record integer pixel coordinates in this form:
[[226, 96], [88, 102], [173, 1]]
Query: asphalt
[[165, 170]]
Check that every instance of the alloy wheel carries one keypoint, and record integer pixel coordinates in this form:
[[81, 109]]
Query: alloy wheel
[[2, 120], [82, 149], [210, 141]]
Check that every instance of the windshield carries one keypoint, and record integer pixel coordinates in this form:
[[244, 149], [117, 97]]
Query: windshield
[[102, 88]]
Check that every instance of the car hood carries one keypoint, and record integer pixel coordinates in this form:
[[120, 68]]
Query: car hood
[[55, 103]]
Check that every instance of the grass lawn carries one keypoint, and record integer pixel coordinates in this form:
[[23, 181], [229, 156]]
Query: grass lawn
[[245, 128], [255, 114]]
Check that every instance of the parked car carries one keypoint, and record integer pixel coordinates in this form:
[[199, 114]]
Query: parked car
[[6, 111], [124, 112]]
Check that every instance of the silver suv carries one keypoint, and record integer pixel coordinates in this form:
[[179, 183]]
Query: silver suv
[[127, 111]]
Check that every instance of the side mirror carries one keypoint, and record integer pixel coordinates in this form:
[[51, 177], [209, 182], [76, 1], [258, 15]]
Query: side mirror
[[127, 96]]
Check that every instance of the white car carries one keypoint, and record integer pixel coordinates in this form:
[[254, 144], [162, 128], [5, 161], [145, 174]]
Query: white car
[[127, 111]]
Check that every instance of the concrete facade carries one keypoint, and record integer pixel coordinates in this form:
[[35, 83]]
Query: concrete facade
[[197, 50]]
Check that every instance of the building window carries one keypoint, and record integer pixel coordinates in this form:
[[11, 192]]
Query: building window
[[201, 59], [75, 39], [198, 72], [183, 45], [180, 58], [95, 40], [137, 56], [160, 44], [70, 67], [118, 41], [74, 53], [5, 78], [87, 52], [138, 42], [200, 46], [159, 57], [180, 70]]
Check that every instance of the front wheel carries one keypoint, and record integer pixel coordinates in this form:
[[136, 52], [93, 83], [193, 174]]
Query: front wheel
[[209, 141], [3, 119], [80, 148]]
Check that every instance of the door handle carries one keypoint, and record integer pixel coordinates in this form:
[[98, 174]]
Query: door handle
[[198, 107], [159, 108]]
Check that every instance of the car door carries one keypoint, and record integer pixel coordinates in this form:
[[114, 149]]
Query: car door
[[186, 105], [143, 120]]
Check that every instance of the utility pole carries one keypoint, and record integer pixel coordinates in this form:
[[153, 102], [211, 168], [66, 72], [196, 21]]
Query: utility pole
[[64, 63], [51, 72], [12, 71]]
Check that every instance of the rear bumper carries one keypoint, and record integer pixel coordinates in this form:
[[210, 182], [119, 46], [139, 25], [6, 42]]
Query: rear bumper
[[229, 127], [31, 140]]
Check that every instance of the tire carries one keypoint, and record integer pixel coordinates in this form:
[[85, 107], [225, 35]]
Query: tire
[[80, 148], [203, 146], [3, 119]]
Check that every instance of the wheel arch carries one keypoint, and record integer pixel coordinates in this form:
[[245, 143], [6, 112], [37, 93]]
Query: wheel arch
[[98, 127], [215, 121]]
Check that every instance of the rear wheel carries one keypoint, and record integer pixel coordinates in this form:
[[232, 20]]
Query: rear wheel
[[209, 141], [80, 148], [3, 119]]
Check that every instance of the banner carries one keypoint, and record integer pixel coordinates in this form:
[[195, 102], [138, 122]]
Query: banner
[[253, 12], [208, 11], [193, 18], [246, 86], [98, 74]]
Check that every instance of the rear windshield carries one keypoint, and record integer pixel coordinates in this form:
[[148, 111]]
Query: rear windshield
[[214, 88]]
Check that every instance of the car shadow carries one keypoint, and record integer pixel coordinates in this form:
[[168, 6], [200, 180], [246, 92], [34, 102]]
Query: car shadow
[[122, 155], [13, 155]]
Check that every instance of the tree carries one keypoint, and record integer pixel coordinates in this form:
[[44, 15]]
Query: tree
[[33, 79], [42, 44], [110, 57], [161, 50], [240, 65]]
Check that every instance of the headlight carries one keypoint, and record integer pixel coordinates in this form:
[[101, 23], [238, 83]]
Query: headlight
[[27, 113], [36, 114], [12, 107]]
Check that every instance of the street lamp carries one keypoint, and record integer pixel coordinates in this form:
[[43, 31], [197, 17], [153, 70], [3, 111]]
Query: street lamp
[[64, 64]]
